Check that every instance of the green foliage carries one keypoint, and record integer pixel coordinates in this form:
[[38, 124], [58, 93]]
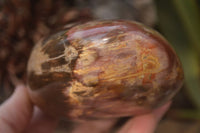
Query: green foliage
[[179, 20]]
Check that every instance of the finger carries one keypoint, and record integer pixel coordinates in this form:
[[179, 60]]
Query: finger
[[95, 126], [16, 112], [41, 123], [145, 123]]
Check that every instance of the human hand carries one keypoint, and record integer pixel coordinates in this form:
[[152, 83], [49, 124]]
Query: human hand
[[18, 115], [145, 123]]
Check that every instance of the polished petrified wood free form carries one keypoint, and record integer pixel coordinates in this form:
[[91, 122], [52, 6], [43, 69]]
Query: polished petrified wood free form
[[103, 69]]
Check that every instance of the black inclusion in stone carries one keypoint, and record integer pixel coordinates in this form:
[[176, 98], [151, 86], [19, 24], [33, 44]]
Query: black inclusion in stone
[[54, 36], [46, 79], [54, 100], [53, 49], [54, 45], [53, 63]]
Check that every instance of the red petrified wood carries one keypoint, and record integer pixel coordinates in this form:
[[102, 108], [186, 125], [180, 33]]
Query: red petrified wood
[[103, 69]]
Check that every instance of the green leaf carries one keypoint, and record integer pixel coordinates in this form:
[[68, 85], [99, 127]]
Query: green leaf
[[190, 16], [176, 30], [185, 114]]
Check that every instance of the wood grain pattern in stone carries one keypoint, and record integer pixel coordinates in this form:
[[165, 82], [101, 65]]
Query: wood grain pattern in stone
[[103, 69]]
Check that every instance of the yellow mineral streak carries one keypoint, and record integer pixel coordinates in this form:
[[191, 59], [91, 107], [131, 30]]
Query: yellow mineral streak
[[70, 53], [118, 71], [76, 88], [90, 80], [87, 57], [38, 57], [86, 70]]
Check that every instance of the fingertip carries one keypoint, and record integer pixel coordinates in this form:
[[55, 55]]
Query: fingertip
[[145, 123], [159, 112], [96, 126], [16, 111]]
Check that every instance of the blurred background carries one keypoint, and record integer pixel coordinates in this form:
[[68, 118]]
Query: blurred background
[[24, 22]]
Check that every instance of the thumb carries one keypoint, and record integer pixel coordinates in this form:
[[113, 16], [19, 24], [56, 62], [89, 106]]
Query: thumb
[[16, 112], [145, 123]]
